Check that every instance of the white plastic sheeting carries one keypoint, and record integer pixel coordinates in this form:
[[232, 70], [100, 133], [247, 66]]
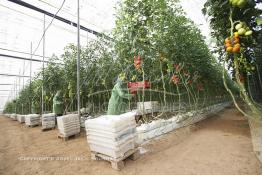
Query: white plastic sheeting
[[160, 127]]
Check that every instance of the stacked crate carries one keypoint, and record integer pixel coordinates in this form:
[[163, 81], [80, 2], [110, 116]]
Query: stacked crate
[[32, 120], [21, 118], [111, 135], [48, 121], [13, 116], [68, 125], [148, 107]]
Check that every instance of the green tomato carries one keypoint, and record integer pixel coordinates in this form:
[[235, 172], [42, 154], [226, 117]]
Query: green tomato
[[241, 31], [248, 33], [241, 3], [238, 26], [234, 2]]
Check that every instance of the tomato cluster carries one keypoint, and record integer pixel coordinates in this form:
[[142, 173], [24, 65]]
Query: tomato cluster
[[238, 3], [232, 44], [179, 72], [242, 29], [175, 79], [137, 61]]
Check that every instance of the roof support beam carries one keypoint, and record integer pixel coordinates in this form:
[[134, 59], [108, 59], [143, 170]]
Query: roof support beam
[[12, 75], [21, 58]]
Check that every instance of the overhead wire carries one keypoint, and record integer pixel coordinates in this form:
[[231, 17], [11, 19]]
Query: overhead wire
[[22, 52], [69, 13], [48, 26]]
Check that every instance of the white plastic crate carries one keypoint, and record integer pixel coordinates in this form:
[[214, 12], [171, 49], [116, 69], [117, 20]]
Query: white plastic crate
[[147, 107], [112, 152], [48, 120], [68, 125], [21, 118], [32, 119], [112, 123], [13, 116], [111, 135], [107, 142]]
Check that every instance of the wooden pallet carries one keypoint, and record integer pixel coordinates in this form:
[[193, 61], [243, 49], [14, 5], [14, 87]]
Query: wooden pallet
[[47, 129], [32, 126], [117, 163], [65, 138]]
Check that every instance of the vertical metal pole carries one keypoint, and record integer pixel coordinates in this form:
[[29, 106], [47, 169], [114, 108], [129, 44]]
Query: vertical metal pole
[[78, 59], [30, 81], [19, 84], [23, 74], [19, 81], [86, 38], [15, 92], [43, 70], [23, 85]]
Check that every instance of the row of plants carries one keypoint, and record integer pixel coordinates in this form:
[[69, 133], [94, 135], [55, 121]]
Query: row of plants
[[152, 41]]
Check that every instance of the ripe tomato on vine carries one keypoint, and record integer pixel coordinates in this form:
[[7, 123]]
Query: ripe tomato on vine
[[137, 61], [175, 79]]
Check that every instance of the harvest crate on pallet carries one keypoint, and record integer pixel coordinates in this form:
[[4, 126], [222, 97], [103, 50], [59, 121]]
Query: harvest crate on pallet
[[32, 120], [116, 163]]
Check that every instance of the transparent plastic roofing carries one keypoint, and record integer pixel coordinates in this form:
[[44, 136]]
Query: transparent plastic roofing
[[22, 27]]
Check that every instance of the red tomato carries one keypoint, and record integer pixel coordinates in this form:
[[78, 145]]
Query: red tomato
[[175, 79], [190, 82]]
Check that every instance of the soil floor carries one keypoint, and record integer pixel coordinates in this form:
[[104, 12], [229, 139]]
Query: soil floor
[[219, 145]]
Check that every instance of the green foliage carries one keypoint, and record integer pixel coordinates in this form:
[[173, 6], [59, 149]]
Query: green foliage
[[155, 29], [160, 33], [243, 62], [218, 12]]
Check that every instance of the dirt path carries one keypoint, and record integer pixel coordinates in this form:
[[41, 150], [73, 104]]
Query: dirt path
[[221, 145]]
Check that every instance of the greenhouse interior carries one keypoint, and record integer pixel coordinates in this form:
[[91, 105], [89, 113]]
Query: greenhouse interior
[[131, 87]]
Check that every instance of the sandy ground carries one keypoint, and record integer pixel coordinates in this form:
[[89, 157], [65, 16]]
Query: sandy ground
[[220, 145]]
